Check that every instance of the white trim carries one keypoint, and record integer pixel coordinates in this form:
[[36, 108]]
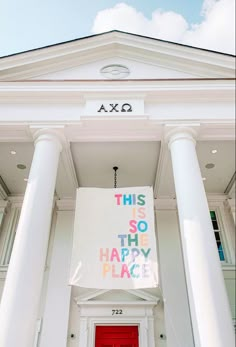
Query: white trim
[[230, 206], [3, 205], [138, 293], [78, 91], [16, 201], [95, 293], [132, 130], [135, 313], [77, 52], [231, 203], [117, 303], [3, 194], [65, 205], [161, 166], [218, 207], [229, 267], [143, 295], [9, 237]]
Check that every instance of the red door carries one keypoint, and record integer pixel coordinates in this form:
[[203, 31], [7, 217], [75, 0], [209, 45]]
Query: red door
[[116, 336]]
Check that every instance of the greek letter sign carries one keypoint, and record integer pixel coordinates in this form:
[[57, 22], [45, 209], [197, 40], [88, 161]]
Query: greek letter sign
[[114, 107], [114, 245]]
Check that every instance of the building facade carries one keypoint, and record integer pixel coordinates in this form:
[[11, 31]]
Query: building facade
[[163, 113]]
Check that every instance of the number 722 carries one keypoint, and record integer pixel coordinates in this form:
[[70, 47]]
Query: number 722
[[114, 312]]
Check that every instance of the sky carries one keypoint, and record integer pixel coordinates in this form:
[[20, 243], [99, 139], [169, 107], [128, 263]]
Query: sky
[[30, 24]]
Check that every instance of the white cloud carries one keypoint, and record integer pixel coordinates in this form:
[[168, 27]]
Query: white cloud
[[121, 17], [207, 6], [215, 32]]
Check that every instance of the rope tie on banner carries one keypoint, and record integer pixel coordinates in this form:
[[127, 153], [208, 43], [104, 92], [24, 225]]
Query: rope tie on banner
[[115, 168]]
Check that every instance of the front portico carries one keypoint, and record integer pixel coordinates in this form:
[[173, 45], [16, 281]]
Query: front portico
[[73, 126]]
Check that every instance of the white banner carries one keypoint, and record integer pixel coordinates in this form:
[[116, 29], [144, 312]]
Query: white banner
[[114, 245]]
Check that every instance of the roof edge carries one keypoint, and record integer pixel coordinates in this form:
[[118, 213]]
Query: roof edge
[[117, 31]]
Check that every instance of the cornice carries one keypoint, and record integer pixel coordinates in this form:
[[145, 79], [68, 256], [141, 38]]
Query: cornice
[[14, 132], [74, 53], [217, 130], [92, 297], [118, 129], [151, 91], [135, 303], [125, 84]]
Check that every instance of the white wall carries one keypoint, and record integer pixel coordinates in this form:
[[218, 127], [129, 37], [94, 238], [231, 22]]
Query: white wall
[[229, 277], [57, 303], [176, 308]]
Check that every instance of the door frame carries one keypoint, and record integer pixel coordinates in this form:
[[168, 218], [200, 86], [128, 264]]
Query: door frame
[[93, 313]]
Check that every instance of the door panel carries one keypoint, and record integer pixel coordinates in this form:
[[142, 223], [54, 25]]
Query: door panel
[[116, 336]]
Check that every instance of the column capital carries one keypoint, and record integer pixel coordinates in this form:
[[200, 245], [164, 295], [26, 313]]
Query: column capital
[[54, 134], [4, 205], [230, 205], [175, 132]]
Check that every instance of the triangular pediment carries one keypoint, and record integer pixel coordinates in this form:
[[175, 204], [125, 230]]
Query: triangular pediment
[[115, 67], [143, 57], [104, 295]]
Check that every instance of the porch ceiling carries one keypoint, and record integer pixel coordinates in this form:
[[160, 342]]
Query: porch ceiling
[[137, 162]]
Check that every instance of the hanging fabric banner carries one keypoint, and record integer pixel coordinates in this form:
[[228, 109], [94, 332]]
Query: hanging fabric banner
[[114, 245]]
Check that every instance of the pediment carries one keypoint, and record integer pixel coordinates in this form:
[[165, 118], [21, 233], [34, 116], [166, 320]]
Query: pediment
[[128, 296], [146, 58], [135, 70]]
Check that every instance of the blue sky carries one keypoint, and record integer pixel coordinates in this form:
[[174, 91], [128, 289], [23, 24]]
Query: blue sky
[[29, 24]]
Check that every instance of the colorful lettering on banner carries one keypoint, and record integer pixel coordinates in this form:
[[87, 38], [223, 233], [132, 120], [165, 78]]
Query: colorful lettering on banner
[[115, 246]]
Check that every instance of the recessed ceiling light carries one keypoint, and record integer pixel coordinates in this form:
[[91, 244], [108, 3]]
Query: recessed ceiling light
[[209, 166], [13, 152], [21, 166], [204, 178], [214, 151]]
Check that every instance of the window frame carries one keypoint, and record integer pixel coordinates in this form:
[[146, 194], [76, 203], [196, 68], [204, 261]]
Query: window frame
[[8, 231], [219, 206], [220, 232]]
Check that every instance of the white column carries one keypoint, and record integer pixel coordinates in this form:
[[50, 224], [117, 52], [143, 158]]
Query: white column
[[211, 318], [231, 203], [20, 300], [57, 303], [3, 206]]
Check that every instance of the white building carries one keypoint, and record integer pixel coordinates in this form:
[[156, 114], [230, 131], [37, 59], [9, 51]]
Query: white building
[[68, 114]]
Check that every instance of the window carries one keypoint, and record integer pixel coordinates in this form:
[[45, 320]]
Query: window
[[217, 232], [8, 236]]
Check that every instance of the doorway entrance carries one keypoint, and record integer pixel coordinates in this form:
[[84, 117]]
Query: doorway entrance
[[116, 336]]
